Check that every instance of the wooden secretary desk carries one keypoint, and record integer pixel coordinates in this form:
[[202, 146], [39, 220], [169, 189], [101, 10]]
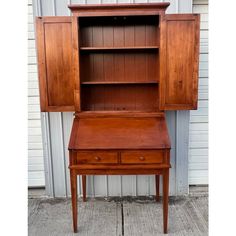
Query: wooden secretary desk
[[119, 67]]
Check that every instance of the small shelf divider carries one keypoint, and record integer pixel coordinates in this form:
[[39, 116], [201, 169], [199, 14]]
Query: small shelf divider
[[134, 48], [117, 82]]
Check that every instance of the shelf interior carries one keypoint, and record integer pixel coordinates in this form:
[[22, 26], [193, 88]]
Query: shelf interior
[[132, 97], [98, 33], [121, 67], [119, 63]]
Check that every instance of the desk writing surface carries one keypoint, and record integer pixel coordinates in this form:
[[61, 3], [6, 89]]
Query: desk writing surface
[[119, 133]]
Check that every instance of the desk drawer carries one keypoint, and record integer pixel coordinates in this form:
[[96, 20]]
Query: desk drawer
[[142, 157], [96, 157]]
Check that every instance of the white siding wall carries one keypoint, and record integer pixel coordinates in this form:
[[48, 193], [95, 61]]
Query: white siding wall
[[198, 136], [35, 147]]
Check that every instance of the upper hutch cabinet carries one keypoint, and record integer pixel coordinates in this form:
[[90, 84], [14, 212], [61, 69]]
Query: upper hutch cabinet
[[147, 61]]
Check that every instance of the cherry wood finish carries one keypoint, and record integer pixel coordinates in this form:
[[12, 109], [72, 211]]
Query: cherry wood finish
[[73, 183], [121, 145], [126, 97], [118, 82], [157, 182], [110, 114], [123, 48], [142, 157], [55, 63], [97, 157], [133, 65], [84, 187], [118, 66], [119, 133], [118, 9], [179, 62], [165, 186]]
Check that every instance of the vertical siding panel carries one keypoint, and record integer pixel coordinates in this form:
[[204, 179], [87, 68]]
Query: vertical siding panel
[[92, 1], [114, 185], [57, 147], [143, 185], [47, 7], [185, 6], [171, 123], [151, 185], [100, 185], [108, 1], [49, 183], [173, 8], [90, 186], [78, 1], [67, 118], [157, 1], [61, 8], [182, 140], [129, 185], [79, 184]]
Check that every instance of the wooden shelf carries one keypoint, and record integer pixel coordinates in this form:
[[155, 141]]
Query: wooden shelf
[[103, 113], [118, 82], [141, 48]]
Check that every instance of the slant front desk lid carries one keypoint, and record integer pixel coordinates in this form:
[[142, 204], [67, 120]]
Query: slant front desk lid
[[119, 133]]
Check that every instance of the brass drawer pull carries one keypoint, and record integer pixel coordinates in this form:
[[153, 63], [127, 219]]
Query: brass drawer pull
[[141, 158], [97, 158]]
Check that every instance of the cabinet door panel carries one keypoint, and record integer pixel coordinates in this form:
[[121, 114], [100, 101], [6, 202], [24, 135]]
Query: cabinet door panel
[[55, 63], [179, 55]]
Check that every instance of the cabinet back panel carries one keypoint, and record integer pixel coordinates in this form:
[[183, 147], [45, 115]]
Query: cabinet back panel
[[107, 32], [120, 98], [119, 66], [119, 20]]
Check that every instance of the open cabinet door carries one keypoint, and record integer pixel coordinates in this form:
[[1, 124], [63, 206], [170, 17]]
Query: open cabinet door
[[179, 59], [56, 58]]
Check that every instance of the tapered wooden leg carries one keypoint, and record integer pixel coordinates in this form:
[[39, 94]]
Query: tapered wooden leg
[[165, 199], [84, 187], [157, 188], [73, 181]]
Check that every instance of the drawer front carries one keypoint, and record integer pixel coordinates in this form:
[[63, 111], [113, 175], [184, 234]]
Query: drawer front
[[96, 157], [142, 157]]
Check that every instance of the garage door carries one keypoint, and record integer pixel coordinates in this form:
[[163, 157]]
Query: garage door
[[198, 147], [35, 147]]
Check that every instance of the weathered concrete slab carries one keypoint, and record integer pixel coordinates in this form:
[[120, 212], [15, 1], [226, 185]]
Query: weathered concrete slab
[[36, 193], [53, 217], [188, 216], [200, 190]]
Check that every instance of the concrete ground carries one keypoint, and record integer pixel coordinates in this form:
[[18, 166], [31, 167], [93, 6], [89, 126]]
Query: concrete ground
[[121, 217]]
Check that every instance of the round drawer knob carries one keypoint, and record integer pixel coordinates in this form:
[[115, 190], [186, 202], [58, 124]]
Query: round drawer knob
[[141, 158], [97, 158]]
